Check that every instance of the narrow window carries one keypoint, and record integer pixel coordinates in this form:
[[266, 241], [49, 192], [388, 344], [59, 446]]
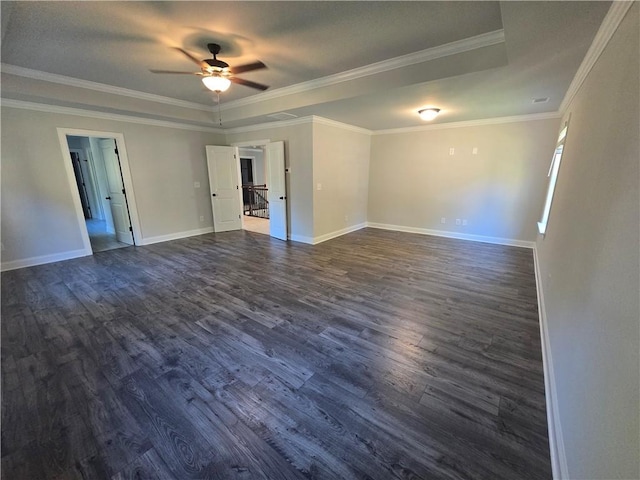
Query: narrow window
[[553, 178]]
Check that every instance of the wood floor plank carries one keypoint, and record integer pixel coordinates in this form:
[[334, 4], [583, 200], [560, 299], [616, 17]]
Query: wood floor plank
[[244, 454], [187, 453], [148, 466], [376, 355]]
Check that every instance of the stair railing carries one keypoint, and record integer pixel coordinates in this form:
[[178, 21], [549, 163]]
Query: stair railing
[[255, 201]]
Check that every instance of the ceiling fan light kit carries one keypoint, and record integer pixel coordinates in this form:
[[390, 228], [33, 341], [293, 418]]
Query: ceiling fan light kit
[[428, 113], [216, 83]]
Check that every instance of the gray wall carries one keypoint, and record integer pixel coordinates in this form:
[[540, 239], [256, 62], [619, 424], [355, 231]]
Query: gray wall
[[38, 214], [589, 264], [414, 180], [341, 167]]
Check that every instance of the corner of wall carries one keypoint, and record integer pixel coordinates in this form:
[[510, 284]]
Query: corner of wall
[[556, 443]]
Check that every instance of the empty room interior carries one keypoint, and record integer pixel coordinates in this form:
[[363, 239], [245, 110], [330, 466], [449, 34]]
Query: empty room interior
[[319, 239]]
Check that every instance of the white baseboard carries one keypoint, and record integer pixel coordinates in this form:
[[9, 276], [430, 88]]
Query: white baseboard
[[460, 236], [42, 259], [175, 236], [556, 443], [338, 233], [301, 239]]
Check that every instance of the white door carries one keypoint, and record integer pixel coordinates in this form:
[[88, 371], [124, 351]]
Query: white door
[[277, 191], [116, 195], [224, 182]]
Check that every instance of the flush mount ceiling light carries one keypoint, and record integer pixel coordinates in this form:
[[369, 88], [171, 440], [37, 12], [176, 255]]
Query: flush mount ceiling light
[[428, 113], [216, 83]]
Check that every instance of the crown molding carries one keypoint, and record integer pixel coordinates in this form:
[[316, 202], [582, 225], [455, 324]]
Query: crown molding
[[609, 25], [298, 121], [464, 45], [343, 126], [448, 49], [98, 87], [267, 125], [41, 107], [472, 123]]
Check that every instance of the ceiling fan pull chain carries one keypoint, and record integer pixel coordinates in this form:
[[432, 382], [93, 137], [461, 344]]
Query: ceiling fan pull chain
[[219, 113]]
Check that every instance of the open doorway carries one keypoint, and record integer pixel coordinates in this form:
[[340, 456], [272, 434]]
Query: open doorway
[[255, 191], [90, 170], [99, 183], [227, 198]]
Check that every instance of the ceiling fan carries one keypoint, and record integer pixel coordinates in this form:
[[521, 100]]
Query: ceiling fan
[[218, 75]]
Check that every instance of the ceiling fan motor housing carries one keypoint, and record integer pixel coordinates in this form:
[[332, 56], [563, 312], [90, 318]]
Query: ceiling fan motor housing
[[215, 63]]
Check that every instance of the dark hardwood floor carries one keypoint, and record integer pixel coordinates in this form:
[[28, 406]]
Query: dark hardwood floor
[[376, 355]]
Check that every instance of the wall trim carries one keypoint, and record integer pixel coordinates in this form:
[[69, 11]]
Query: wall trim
[[176, 236], [295, 121], [79, 112], [98, 87], [608, 27], [472, 123], [338, 233], [343, 126], [42, 259], [263, 126], [460, 236], [453, 48], [301, 239], [559, 465], [43, 107], [251, 143]]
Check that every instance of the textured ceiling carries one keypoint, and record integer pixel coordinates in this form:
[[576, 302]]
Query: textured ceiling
[[116, 43]]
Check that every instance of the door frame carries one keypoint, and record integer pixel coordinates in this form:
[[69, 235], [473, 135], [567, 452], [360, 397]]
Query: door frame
[[263, 143], [250, 143], [126, 177]]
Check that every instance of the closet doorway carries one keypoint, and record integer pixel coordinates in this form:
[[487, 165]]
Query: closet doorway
[[99, 177]]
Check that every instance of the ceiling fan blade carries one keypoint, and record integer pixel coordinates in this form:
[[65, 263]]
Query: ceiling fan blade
[[248, 67], [173, 71], [198, 62], [247, 83]]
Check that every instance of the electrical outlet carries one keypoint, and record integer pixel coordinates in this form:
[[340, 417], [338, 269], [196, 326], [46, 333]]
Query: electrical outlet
[[458, 222], [319, 186], [196, 184], [443, 220], [201, 218], [452, 151], [346, 218], [464, 222], [474, 151]]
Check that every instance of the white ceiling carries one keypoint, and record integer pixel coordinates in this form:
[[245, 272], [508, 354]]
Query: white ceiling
[[474, 60]]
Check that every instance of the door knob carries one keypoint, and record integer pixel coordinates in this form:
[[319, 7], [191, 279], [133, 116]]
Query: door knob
[[282, 198], [213, 194], [107, 198]]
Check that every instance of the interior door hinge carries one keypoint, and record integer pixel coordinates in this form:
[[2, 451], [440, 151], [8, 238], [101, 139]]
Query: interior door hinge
[[236, 187], [239, 216], [123, 191], [131, 229]]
